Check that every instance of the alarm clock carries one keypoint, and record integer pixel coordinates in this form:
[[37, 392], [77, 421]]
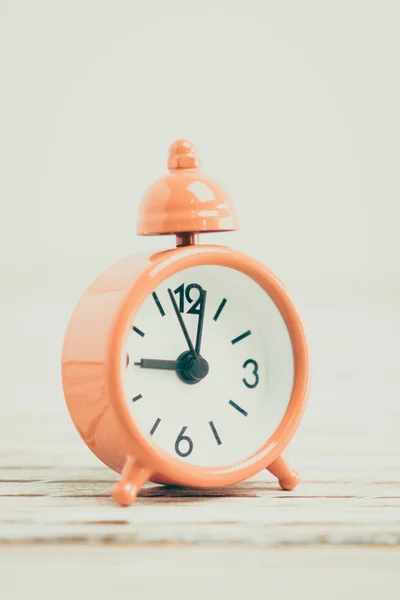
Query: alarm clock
[[186, 366]]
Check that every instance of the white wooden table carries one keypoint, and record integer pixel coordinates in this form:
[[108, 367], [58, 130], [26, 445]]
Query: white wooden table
[[61, 534], [61, 505]]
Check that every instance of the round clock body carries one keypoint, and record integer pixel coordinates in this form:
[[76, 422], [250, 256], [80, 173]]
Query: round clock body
[[188, 367]]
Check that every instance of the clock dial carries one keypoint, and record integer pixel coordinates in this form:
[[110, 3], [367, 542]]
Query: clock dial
[[208, 366]]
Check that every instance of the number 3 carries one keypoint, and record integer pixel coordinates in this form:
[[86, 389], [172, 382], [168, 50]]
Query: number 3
[[254, 372]]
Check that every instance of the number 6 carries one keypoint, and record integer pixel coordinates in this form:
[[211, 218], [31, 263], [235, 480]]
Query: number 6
[[183, 438]]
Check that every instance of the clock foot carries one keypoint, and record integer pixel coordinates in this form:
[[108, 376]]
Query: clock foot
[[287, 477], [133, 477]]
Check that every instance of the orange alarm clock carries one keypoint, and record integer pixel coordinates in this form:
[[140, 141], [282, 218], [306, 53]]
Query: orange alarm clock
[[187, 366]]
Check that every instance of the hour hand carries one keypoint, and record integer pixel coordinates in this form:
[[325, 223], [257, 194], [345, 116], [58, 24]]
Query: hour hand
[[152, 363]]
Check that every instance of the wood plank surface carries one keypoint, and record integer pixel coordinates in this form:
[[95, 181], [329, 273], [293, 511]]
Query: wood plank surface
[[74, 505]]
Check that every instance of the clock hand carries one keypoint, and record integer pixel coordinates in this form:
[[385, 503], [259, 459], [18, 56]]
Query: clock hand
[[150, 363], [200, 322], [181, 323]]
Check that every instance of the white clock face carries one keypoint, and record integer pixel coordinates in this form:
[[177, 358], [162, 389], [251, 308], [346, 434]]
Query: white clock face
[[208, 366]]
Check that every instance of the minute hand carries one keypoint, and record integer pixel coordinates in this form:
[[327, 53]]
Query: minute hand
[[200, 322], [181, 323]]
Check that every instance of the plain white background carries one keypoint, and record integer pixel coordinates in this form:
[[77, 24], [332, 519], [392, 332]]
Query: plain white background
[[293, 105]]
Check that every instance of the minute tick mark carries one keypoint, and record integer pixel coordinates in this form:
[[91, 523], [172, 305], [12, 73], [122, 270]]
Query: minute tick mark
[[137, 397], [136, 330], [156, 424], [215, 432], [219, 309], [241, 337], [238, 408], [158, 303]]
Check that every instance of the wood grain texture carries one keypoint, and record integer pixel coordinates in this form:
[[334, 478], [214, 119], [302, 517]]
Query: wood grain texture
[[74, 505]]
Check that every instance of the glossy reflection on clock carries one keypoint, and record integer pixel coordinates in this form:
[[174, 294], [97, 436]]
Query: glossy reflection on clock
[[208, 366]]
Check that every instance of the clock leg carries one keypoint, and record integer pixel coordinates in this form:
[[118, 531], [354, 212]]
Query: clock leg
[[287, 477], [133, 477]]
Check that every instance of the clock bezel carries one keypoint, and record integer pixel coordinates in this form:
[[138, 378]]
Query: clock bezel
[[163, 466]]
